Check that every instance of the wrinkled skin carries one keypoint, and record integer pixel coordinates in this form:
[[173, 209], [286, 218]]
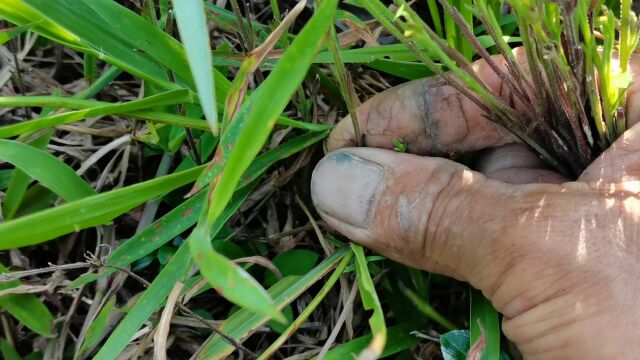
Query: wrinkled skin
[[560, 259]]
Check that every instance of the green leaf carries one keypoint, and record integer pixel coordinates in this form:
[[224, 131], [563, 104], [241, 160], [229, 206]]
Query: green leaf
[[484, 320], [244, 322], [370, 301], [87, 212], [153, 116], [399, 338], [227, 278], [194, 33], [77, 26], [167, 98], [455, 345], [5, 177], [249, 131], [26, 308], [156, 294], [292, 262], [20, 181], [45, 168], [98, 328], [426, 308], [240, 143], [6, 35], [147, 304], [8, 352]]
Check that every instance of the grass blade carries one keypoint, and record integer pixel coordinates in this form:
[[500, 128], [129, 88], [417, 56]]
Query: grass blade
[[484, 323], [154, 116], [6, 35], [45, 168], [370, 301], [240, 144], [243, 323], [167, 98], [20, 181], [147, 304], [258, 115], [98, 328], [87, 212], [26, 308], [184, 216], [268, 353], [227, 278], [8, 352], [398, 337], [194, 33]]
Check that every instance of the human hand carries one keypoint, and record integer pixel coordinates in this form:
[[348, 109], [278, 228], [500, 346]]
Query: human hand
[[560, 260]]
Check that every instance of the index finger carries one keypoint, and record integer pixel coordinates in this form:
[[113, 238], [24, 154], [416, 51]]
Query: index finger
[[435, 119], [430, 116]]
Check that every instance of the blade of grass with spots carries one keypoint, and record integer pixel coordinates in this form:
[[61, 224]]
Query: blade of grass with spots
[[240, 143], [153, 298], [155, 295], [192, 24]]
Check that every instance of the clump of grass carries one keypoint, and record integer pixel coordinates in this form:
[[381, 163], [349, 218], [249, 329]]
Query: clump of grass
[[568, 103]]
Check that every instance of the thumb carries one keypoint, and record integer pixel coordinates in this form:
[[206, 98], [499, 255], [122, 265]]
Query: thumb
[[429, 213]]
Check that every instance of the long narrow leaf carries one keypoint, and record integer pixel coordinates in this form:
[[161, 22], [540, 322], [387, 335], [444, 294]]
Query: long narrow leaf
[[194, 32], [248, 132], [370, 301], [154, 116], [87, 212], [399, 338], [26, 308], [168, 98], [148, 303], [484, 323], [243, 323], [20, 181], [46, 169], [240, 144]]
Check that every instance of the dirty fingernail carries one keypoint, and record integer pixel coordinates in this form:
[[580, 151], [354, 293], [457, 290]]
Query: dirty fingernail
[[346, 187]]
